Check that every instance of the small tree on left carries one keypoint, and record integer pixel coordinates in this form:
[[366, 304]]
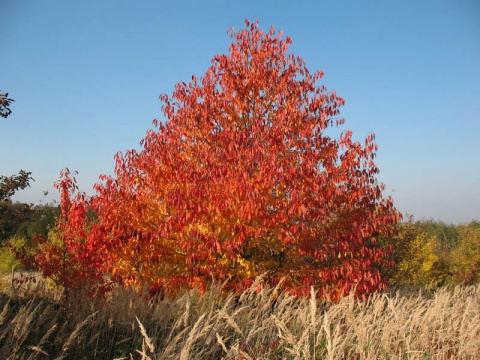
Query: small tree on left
[[67, 255]]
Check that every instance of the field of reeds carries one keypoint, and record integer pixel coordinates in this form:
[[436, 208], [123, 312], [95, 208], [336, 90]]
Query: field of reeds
[[262, 324]]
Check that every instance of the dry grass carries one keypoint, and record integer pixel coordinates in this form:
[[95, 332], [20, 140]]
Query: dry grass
[[403, 324]]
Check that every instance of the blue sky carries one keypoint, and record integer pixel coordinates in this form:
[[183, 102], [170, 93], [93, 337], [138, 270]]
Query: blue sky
[[86, 76]]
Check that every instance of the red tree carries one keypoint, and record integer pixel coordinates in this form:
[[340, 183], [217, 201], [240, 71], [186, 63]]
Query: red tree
[[71, 254], [243, 179]]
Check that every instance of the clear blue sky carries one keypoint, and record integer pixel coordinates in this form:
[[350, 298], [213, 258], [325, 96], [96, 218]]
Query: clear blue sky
[[86, 76]]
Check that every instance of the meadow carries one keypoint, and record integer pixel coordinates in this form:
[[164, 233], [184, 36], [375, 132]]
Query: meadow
[[241, 176], [261, 323]]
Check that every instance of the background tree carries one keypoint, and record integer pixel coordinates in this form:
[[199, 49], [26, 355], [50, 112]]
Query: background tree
[[8, 258], [11, 184], [11, 215], [5, 103], [465, 259], [414, 256]]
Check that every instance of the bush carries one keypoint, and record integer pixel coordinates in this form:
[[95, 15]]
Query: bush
[[8, 259]]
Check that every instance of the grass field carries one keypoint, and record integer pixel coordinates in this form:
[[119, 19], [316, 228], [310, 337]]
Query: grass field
[[265, 324]]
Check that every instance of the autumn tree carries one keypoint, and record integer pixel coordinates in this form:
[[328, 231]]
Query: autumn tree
[[465, 259], [243, 178], [414, 254], [70, 254]]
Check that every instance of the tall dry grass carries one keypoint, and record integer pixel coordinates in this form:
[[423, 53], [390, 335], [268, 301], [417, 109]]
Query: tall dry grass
[[264, 324]]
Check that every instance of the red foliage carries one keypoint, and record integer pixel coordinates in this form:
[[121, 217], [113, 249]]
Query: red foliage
[[71, 255], [242, 179]]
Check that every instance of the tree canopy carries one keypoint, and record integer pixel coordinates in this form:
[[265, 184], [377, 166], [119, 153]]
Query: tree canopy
[[242, 179]]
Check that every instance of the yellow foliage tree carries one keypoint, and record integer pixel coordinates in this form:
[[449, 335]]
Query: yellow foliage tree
[[465, 260], [414, 256], [8, 259]]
